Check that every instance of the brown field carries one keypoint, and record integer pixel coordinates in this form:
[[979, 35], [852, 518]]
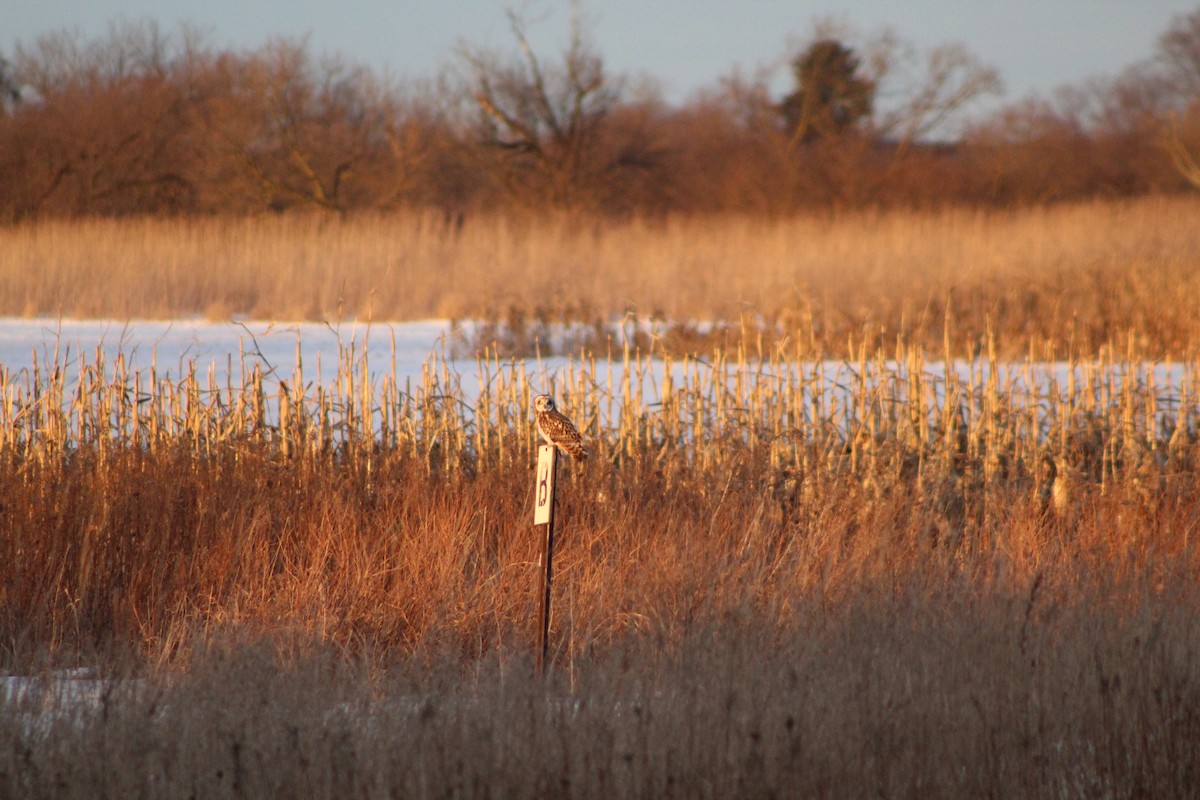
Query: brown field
[[762, 590], [1075, 275]]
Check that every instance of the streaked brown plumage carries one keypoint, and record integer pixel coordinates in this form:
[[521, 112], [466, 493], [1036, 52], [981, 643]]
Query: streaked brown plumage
[[557, 429], [1054, 491]]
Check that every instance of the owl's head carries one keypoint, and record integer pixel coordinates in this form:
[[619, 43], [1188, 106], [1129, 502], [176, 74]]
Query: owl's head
[[543, 402]]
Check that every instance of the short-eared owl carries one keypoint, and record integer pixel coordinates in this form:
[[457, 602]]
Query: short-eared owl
[[1055, 490], [557, 429]]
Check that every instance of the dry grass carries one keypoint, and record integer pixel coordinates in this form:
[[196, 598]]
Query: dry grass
[[1079, 274], [313, 627], [924, 697], [764, 587], [389, 516]]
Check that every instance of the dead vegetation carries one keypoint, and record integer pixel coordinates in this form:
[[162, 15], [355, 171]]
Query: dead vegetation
[[158, 121], [1079, 276], [387, 515], [925, 691], [767, 582]]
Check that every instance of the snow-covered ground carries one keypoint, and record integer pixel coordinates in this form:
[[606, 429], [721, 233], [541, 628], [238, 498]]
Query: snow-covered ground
[[402, 349], [228, 348], [37, 702], [171, 344]]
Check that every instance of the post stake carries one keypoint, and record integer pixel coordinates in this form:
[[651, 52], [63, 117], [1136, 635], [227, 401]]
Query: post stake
[[543, 514]]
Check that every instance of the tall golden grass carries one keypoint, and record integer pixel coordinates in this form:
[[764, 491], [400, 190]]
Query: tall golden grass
[[389, 510], [765, 587], [907, 584], [1075, 274]]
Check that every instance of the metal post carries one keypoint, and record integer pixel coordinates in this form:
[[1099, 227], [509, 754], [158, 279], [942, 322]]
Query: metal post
[[543, 514]]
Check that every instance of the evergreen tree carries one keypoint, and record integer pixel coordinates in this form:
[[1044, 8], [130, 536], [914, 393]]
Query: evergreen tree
[[831, 97]]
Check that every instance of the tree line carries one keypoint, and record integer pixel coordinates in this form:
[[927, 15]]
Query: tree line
[[143, 121]]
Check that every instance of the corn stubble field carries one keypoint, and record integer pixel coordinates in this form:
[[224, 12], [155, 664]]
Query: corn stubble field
[[916, 586]]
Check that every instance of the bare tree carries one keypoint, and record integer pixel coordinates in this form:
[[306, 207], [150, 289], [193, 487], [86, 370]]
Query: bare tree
[[1181, 140], [296, 129], [1179, 51], [109, 131], [948, 80], [900, 94], [862, 103], [541, 122]]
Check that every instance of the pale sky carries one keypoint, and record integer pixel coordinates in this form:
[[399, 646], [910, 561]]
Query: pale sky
[[1036, 45]]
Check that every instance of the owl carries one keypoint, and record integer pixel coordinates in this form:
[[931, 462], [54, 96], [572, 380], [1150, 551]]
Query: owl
[[1055, 490], [557, 429]]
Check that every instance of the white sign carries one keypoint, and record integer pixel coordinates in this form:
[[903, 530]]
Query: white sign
[[543, 495]]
